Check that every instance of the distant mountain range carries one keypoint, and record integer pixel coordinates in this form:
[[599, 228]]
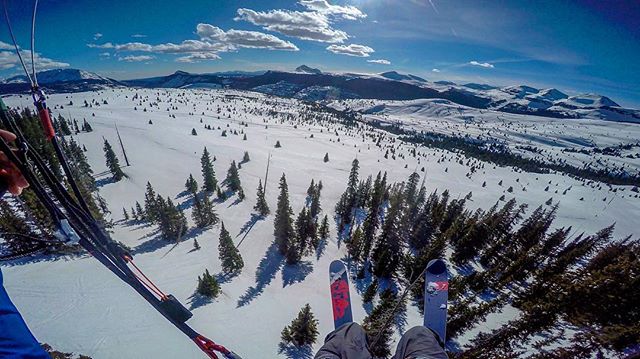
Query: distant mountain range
[[311, 84]]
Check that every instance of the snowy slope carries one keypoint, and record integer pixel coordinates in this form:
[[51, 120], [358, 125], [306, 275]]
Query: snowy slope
[[76, 305]]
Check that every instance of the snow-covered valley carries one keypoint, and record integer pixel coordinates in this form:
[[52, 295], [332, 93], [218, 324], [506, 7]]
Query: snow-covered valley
[[74, 304]]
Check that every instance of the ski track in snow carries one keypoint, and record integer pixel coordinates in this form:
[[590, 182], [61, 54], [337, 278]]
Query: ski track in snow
[[77, 305]]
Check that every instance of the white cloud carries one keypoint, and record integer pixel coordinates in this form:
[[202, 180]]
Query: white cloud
[[322, 6], [105, 54], [435, 70], [242, 38], [306, 25], [9, 59], [138, 35], [481, 64], [97, 35], [5, 46], [197, 57], [133, 58], [351, 50], [380, 61], [106, 45]]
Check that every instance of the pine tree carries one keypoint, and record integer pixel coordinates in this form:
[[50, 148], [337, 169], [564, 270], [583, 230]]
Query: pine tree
[[191, 185], [261, 203], [233, 178], [278, 145], [203, 214], [196, 245], [323, 232], [208, 285], [283, 224], [126, 215], [388, 252], [376, 324], [326, 157], [86, 126], [229, 254], [303, 330], [14, 228], [245, 158], [194, 132], [139, 212], [210, 183], [354, 245], [347, 202], [63, 126], [151, 212], [173, 223], [112, 162]]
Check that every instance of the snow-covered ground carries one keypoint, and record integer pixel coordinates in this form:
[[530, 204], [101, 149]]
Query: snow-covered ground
[[77, 305]]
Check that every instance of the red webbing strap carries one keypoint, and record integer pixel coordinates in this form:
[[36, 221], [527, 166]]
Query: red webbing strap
[[147, 282], [43, 113], [209, 347]]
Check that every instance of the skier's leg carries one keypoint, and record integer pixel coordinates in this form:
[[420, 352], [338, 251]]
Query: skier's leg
[[16, 341], [347, 342], [419, 343]]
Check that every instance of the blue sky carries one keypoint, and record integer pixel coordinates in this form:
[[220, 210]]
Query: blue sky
[[578, 46]]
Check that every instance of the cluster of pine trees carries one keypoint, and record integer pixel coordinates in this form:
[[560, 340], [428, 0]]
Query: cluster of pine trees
[[300, 237], [24, 217], [501, 255]]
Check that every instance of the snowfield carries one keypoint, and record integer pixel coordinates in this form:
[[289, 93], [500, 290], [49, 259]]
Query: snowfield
[[76, 305]]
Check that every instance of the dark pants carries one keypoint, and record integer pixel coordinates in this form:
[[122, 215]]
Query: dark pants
[[350, 342], [16, 341]]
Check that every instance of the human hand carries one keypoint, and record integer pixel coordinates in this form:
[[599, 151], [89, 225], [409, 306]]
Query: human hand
[[11, 178]]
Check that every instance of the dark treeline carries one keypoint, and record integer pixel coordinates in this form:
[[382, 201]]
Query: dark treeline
[[503, 255]]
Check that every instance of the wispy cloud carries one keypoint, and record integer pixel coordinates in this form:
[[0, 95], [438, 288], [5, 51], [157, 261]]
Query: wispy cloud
[[138, 35], [351, 50], [97, 35], [134, 58], [435, 70], [481, 64], [380, 61]]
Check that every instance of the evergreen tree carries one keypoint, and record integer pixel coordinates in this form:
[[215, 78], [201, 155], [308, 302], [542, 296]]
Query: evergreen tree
[[196, 245], [112, 162], [126, 215], [63, 126], [303, 330], [347, 202], [139, 211], [261, 204], [203, 214], [194, 132], [354, 245], [323, 232], [191, 185], [326, 157], [378, 326], [14, 229], [86, 126], [173, 223], [210, 183], [151, 212], [245, 158], [388, 251], [233, 179], [229, 254], [283, 224], [208, 285]]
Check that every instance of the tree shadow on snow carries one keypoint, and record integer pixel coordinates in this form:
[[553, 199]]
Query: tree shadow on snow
[[197, 300], [294, 352], [246, 228], [223, 277], [322, 244], [295, 273], [186, 204], [269, 265], [104, 181]]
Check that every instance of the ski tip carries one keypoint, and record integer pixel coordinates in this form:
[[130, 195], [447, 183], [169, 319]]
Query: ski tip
[[437, 266], [337, 264]]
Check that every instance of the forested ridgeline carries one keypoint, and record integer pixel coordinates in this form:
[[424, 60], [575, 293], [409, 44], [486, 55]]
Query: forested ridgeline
[[574, 294]]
